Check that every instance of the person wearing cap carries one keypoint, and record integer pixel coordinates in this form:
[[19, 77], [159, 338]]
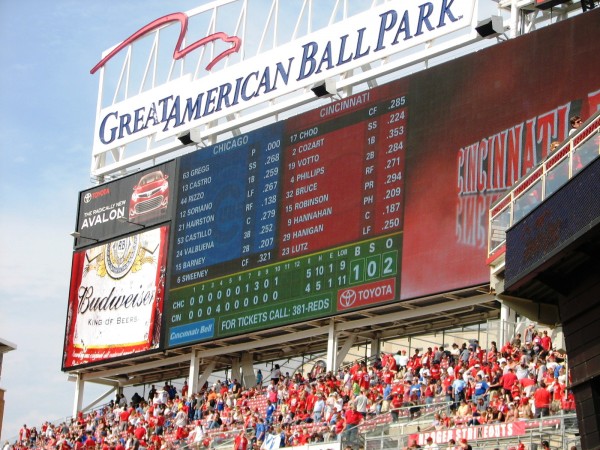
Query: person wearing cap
[[524, 409], [196, 436], [430, 444], [463, 444]]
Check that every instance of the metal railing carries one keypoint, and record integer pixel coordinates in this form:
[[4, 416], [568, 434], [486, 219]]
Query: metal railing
[[578, 151]]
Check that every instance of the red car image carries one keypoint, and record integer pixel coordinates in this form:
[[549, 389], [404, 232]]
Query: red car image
[[150, 195]]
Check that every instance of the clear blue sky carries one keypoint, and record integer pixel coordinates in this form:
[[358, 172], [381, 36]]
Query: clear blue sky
[[47, 107]]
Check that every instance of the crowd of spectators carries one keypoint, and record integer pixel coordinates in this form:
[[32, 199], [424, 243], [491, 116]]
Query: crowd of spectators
[[523, 379]]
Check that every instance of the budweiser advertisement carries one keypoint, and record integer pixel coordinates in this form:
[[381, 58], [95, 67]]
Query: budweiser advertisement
[[116, 298]]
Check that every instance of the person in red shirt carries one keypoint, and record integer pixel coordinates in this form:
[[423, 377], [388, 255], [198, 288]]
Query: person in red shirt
[[558, 394], [387, 376], [184, 389], [365, 379], [445, 362], [427, 357], [155, 439], [506, 350], [303, 437], [124, 419], [546, 341], [515, 391], [241, 441], [435, 371], [507, 381], [541, 401], [140, 431], [416, 362], [63, 444], [352, 418], [90, 442], [311, 399], [395, 406], [79, 444], [390, 363], [24, 434]]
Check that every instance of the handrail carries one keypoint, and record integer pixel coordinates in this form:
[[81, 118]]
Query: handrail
[[575, 153]]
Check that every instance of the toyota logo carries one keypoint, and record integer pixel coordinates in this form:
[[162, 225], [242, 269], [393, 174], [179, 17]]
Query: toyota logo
[[87, 197], [347, 298]]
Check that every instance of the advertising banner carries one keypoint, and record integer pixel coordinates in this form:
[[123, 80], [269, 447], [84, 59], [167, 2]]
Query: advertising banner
[[359, 40], [475, 433], [116, 298], [125, 205]]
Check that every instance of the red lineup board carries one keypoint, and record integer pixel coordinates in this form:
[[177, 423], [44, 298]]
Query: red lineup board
[[350, 155]]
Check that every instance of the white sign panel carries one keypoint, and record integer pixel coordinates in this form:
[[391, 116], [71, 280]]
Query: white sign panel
[[184, 104]]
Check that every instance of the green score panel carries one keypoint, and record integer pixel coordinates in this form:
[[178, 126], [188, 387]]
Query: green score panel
[[318, 285]]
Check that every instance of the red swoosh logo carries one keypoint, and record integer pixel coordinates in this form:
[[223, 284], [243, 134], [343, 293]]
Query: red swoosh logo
[[178, 53]]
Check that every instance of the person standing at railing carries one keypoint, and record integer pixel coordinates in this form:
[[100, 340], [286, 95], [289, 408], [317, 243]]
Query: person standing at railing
[[575, 122], [353, 418]]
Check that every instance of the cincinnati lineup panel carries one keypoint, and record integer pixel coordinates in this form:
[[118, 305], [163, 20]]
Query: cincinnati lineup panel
[[297, 220]]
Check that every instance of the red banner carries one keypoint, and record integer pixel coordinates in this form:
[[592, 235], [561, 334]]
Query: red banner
[[482, 432]]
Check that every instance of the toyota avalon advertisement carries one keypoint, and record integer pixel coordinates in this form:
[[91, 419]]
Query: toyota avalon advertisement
[[126, 205]]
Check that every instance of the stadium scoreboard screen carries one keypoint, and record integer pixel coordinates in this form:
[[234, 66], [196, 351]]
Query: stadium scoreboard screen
[[375, 198], [297, 220]]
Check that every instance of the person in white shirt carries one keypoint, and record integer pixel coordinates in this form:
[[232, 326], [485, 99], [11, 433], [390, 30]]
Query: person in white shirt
[[430, 444], [197, 435]]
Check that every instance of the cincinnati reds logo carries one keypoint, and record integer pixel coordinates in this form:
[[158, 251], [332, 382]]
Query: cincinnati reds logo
[[347, 298], [178, 52]]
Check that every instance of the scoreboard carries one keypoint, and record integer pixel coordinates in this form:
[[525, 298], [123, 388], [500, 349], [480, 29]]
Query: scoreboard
[[376, 198], [297, 220]]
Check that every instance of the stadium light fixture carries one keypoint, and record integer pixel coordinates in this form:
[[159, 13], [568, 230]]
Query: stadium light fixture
[[77, 235], [124, 220], [190, 137], [185, 138], [324, 88], [489, 28]]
